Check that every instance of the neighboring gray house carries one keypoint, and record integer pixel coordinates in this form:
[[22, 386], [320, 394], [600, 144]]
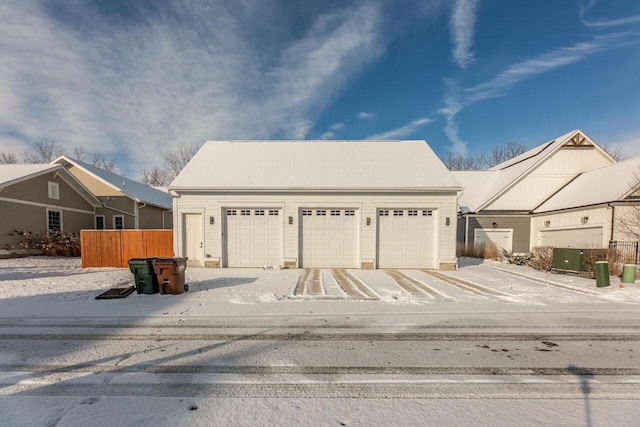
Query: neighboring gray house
[[125, 203], [498, 204], [42, 197], [333, 204]]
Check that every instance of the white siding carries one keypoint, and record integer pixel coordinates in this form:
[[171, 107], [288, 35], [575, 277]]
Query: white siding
[[598, 217], [290, 204], [548, 178]]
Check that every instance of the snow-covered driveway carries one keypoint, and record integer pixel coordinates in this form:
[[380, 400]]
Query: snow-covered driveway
[[49, 282]]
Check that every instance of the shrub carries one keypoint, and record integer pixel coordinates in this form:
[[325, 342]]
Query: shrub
[[541, 258], [481, 250], [53, 243], [524, 259]]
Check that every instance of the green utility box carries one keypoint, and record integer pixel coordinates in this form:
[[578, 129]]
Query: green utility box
[[145, 278], [572, 260]]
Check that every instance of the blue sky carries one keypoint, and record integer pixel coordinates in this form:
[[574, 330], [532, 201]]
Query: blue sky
[[131, 79]]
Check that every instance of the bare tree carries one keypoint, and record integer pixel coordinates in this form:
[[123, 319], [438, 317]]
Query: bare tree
[[8, 159], [628, 217], [615, 152], [156, 177], [506, 152], [176, 160], [483, 160], [44, 151]]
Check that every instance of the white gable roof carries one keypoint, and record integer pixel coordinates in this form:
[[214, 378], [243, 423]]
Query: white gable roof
[[341, 165], [14, 173], [137, 191], [604, 185], [482, 187]]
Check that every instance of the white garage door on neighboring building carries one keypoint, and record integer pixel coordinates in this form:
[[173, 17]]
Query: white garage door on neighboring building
[[252, 237], [329, 238], [502, 238], [406, 238], [572, 238]]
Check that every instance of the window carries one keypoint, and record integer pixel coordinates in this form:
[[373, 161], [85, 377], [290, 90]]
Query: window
[[54, 190], [306, 212], [427, 213], [99, 222], [349, 213], [384, 213], [398, 213], [273, 212], [118, 222], [412, 213], [259, 212], [54, 220], [321, 213], [231, 212], [335, 213], [245, 212]]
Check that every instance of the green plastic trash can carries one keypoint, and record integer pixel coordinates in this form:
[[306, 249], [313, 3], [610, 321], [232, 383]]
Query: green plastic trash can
[[145, 278], [602, 274], [629, 273]]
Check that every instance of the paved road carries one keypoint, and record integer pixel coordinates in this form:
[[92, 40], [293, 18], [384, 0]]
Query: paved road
[[269, 357]]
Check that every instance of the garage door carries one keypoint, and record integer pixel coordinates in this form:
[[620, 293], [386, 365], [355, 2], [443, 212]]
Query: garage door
[[252, 237], [329, 238], [572, 238], [502, 238], [406, 238]]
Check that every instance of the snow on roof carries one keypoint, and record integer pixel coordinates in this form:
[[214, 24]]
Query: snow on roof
[[482, 189], [13, 173], [603, 185], [315, 164], [476, 185], [134, 189]]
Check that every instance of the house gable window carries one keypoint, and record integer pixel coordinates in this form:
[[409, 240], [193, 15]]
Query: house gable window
[[118, 222], [54, 190], [99, 222], [54, 220]]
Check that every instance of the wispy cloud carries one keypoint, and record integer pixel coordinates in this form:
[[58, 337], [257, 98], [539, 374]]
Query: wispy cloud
[[363, 115], [178, 74], [457, 98], [604, 23], [462, 28], [403, 131], [331, 133]]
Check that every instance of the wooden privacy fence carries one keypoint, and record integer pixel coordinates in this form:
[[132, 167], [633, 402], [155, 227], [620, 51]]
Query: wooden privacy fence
[[114, 248]]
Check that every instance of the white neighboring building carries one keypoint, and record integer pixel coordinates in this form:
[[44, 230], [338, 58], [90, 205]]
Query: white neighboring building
[[323, 204], [584, 213], [498, 204]]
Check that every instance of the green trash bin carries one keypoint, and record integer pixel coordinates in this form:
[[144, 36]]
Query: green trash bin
[[629, 273], [145, 278], [602, 274]]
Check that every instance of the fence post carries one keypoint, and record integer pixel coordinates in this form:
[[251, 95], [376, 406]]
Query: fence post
[[637, 253]]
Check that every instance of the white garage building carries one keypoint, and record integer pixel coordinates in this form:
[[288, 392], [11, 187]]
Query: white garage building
[[322, 204]]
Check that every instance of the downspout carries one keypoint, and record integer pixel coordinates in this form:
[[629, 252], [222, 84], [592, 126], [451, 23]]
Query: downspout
[[138, 214], [613, 219]]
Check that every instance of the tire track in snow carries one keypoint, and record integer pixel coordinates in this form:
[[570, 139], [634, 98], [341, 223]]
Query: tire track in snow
[[544, 282], [353, 286], [415, 287], [466, 285]]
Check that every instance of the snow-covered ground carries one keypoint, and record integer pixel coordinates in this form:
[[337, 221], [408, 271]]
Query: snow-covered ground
[[59, 286], [55, 297]]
